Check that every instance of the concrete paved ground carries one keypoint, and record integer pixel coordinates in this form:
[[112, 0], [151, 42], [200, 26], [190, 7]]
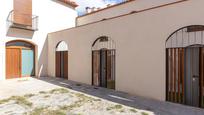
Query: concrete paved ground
[[22, 86], [31, 85], [158, 107]]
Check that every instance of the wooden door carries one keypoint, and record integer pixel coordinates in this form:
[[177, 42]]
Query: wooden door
[[175, 71], [111, 69], [192, 76], [65, 64], [185, 76], [13, 63], [62, 64], [103, 68], [95, 67], [57, 64], [28, 68], [23, 12], [202, 77]]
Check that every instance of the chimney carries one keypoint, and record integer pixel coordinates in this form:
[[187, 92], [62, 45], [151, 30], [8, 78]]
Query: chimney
[[93, 9], [108, 5], [88, 10]]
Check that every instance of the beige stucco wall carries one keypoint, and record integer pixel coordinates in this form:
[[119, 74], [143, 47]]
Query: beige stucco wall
[[52, 17], [135, 5], [140, 46]]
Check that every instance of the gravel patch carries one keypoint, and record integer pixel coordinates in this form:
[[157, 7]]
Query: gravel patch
[[62, 101]]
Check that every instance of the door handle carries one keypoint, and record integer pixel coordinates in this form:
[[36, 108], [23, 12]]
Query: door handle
[[195, 76]]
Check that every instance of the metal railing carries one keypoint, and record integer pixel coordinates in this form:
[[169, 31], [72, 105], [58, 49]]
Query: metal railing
[[32, 19]]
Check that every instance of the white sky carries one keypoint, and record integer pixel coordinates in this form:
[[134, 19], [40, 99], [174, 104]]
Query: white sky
[[92, 3]]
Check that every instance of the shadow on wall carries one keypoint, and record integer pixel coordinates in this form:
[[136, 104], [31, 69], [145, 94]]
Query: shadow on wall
[[20, 33], [42, 61]]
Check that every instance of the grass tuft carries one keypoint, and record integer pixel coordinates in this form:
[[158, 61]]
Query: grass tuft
[[21, 101], [37, 111], [4, 101], [115, 107], [46, 111], [18, 100], [133, 110], [144, 113], [96, 99], [42, 92], [29, 95], [82, 100], [46, 96], [60, 90]]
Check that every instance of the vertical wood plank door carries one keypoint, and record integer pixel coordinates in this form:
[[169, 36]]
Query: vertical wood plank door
[[65, 64], [23, 12], [13, 63], [175, 75], [202, 77], [110, 69], [103, 68], [96, 67], [58, 64]]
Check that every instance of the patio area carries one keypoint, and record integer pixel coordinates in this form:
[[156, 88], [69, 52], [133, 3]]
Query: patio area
[[56, 96]]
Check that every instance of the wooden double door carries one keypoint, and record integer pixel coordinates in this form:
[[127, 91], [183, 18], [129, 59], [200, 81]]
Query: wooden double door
[[19, 62], [185, 75], [61, 64], [103, 68]]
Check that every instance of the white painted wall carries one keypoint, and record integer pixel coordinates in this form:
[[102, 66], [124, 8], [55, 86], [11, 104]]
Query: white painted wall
[[140, 46], [52, 17], [136, 5]]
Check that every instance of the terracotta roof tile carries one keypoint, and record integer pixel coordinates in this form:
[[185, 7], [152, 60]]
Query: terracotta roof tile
[[70, 2]]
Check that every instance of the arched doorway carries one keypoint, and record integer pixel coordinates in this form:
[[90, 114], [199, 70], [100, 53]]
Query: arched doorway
[[20, 59], [61, 59], [185, 66], [103, 62]]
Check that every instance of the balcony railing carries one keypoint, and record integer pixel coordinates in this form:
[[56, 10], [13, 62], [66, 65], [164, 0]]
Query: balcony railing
[[22, 21]]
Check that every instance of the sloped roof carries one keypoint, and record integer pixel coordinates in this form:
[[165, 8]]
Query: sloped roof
[[69, 2]]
